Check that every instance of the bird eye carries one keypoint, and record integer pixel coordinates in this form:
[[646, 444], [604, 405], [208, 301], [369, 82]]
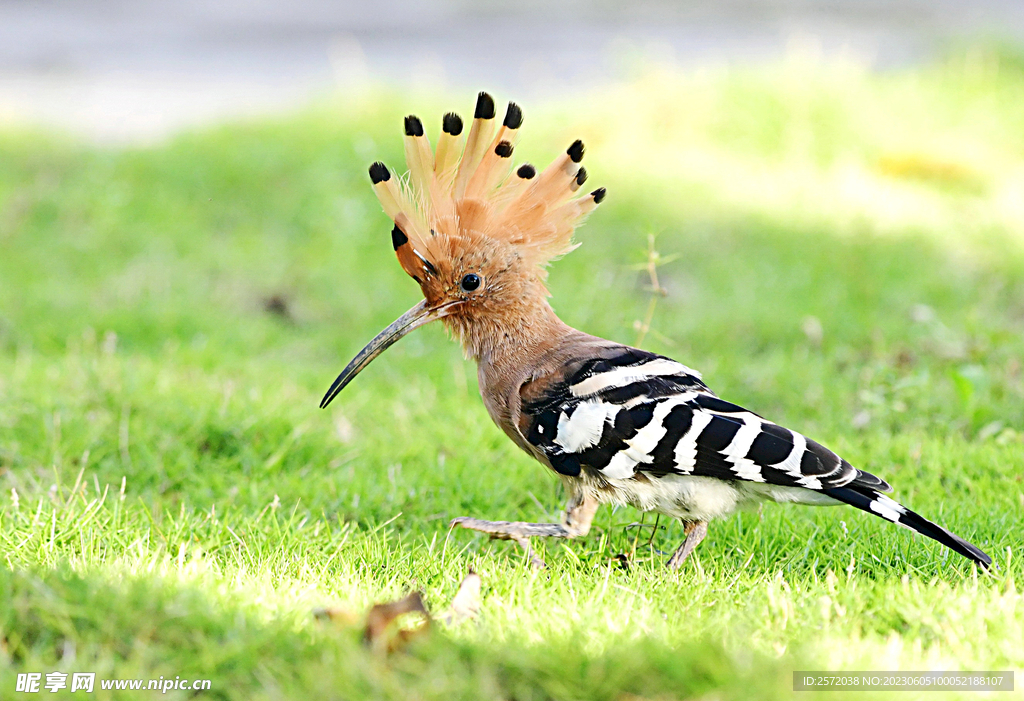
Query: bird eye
[[470, 282]]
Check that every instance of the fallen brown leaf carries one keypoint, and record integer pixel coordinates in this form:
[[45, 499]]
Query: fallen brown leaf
[[466, 604], [379, 632], [384, 632]]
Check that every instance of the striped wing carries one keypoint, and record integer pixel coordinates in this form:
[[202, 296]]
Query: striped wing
[[635, 411]]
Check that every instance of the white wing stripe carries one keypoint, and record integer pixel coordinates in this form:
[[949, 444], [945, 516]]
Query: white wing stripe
[[638, 448], [620, 377], [736, 451], [810, 481], [620, 467], [791, 465], [686, 448], [584, 428]]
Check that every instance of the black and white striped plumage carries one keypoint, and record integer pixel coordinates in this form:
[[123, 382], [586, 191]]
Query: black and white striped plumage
[[647, 431]]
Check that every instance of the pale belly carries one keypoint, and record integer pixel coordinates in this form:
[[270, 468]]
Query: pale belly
[[702, 498]]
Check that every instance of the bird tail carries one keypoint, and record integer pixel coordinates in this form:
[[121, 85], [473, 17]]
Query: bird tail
[[871, 501]]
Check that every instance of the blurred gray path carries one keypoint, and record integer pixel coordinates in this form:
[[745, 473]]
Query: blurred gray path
[[120, 71]]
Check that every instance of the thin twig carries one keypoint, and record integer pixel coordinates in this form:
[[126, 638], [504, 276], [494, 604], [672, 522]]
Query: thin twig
[[654, 531], [654, 259], [632, 554]]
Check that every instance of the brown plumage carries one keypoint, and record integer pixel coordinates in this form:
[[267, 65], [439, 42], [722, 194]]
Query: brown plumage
[[617, 424]]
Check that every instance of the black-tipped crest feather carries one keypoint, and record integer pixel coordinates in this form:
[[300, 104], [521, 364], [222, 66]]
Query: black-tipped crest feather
[[452, 124], [484, 107], [413, 126], [379, 173], [513, 116], [463, 190], [575, 151], [398, 238]]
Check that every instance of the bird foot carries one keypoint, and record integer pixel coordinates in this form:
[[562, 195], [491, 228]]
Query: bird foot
[[578, 516], [518, 531]]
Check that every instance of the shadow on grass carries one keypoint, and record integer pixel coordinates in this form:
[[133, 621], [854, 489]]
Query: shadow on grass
[[136, 628]]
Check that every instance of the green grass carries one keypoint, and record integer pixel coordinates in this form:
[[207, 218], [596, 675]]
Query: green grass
[[851, 263]]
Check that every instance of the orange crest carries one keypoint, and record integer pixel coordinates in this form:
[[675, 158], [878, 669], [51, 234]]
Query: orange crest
[[464, 196]]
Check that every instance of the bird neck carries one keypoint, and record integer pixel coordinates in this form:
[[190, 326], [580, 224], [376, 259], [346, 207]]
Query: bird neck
[[518, 334]]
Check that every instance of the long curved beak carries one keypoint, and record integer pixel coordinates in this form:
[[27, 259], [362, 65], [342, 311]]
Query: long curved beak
[[414, 318]]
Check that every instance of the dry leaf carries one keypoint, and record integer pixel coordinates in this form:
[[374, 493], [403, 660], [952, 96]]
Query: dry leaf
[[466, 604], [379, 632], [385, 633]]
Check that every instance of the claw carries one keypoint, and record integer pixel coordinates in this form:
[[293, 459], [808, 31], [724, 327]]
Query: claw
[[535, 561]]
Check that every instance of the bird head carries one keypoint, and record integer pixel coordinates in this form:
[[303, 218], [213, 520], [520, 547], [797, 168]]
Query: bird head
[[475, 232]]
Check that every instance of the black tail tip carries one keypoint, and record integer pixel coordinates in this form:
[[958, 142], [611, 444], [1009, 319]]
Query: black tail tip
[[513, 116], [576, 151], [599, 194], [581, 176], [413, 126], [484, 107], [503, 149], [379, 173], [452, 124]]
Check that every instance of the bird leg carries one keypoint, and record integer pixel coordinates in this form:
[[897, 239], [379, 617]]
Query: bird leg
[[576, 520], [695, 532]]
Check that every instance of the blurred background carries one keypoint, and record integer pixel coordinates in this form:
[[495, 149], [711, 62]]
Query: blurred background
[[135, 71]]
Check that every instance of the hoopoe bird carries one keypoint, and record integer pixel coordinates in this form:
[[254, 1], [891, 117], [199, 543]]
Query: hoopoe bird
[[616, 424]]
